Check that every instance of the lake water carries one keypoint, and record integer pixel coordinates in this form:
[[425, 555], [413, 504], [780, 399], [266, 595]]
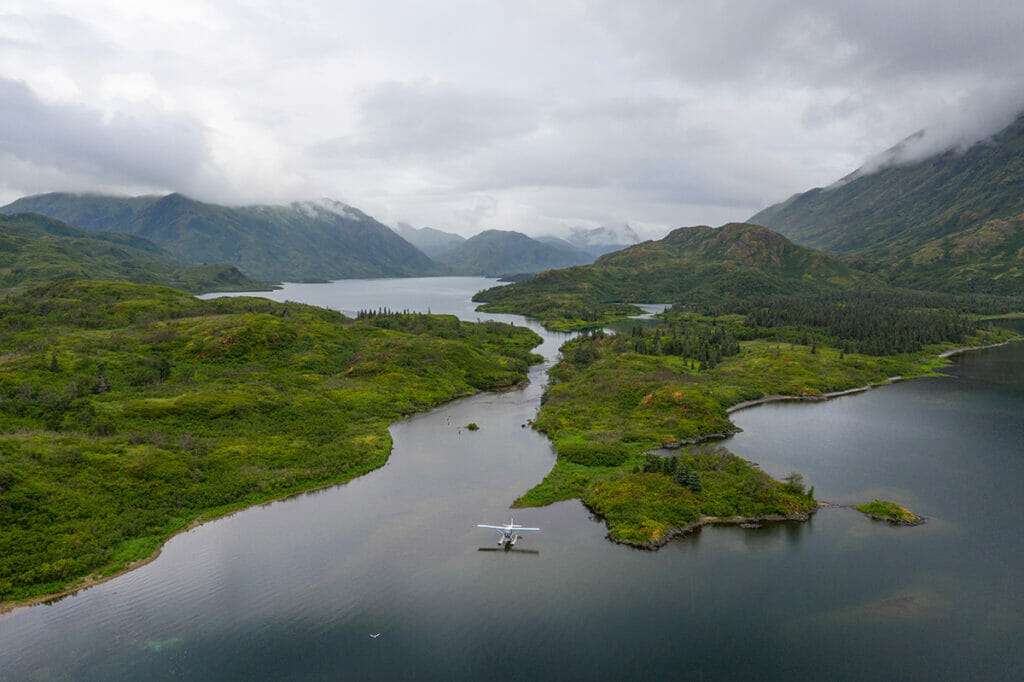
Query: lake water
[[294, 589]]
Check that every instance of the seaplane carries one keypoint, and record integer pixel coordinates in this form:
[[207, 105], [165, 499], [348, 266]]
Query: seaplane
[[509, 533]]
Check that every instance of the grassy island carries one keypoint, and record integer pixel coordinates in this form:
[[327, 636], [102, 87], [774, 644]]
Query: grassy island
[[127, 412], [883, 510]]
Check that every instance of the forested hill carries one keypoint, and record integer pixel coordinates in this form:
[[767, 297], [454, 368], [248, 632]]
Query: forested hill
[[692, 265], [35, 250], [502, 252], [301, 241], [951, 222]]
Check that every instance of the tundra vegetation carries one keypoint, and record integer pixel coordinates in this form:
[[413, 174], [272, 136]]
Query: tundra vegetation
[[127, 412]]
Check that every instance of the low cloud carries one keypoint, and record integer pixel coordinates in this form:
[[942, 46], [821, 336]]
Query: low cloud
[[470, 115], [140, 147], [433, 121]]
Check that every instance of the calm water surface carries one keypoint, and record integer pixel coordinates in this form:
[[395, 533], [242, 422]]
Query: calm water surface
[[294, 589]]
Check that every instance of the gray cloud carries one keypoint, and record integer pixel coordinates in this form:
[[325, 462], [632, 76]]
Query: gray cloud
[[467, 115], [399, 120], [140, 147]]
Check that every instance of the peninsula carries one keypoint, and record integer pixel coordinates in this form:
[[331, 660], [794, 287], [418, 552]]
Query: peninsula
[[131, 411]]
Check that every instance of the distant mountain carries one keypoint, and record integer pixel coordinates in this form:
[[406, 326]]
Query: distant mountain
[[596, 241], [583, 255], [301, 241], [501, 252], [690, 265], [432, 242], [35, 249], [951, 222], [601, 240]]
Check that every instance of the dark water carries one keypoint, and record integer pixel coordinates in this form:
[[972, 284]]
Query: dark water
[[295, 588]]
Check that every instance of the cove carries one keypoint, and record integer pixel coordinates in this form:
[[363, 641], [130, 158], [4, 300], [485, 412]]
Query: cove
[[293, 589]]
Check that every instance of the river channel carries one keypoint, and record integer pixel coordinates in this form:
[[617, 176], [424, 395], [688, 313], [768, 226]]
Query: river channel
[[297, 589]]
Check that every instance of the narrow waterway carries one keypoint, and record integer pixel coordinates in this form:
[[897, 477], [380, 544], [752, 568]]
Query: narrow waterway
[[296, 588]]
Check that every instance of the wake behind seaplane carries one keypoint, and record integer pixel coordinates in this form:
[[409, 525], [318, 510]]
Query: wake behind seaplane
[[509, 532]]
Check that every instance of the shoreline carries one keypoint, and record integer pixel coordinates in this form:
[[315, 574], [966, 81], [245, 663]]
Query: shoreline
[[778, 397], [860, 389], [957, 351], [91, 580], [8, 607], [741, 521]]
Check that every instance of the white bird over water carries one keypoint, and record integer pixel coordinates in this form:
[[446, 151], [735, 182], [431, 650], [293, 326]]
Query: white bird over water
[[375, 636]]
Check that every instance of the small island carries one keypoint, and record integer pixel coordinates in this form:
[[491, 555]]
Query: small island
[[884, 510]]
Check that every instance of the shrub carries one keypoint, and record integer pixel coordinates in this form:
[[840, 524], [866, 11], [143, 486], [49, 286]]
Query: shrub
[[593, 454]]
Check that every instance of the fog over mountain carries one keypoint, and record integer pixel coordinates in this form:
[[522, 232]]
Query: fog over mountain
[[469, 116]]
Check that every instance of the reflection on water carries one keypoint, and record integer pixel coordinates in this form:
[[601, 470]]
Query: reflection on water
[[296, 588]]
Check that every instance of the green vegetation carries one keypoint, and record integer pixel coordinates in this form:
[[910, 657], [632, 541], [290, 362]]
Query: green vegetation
[[472, 426], [301, 241], [129, 411], [613, 398], [36, 250], [952, 222], [698, 266], [883, 510]]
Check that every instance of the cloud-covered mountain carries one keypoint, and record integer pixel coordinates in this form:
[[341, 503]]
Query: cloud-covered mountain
[[952, 221], [601, 240], [301, 241]]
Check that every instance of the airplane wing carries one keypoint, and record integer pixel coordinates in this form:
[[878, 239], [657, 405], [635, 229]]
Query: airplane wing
[[526, 529], [481, 525]]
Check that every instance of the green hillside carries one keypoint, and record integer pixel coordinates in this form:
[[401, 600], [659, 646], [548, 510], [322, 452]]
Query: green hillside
[[951, 222], [301, 241], [35, 249], [129, 411], [690, 266], [502, 252]]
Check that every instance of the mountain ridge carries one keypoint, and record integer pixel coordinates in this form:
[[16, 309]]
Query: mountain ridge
[[301, 241], [951, 222], [504, 252]]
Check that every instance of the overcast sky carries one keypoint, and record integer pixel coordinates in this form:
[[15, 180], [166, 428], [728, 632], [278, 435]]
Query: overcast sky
[[527, 115]]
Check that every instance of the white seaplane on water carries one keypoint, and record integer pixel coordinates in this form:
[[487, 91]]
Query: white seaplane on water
[[509, 533]]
